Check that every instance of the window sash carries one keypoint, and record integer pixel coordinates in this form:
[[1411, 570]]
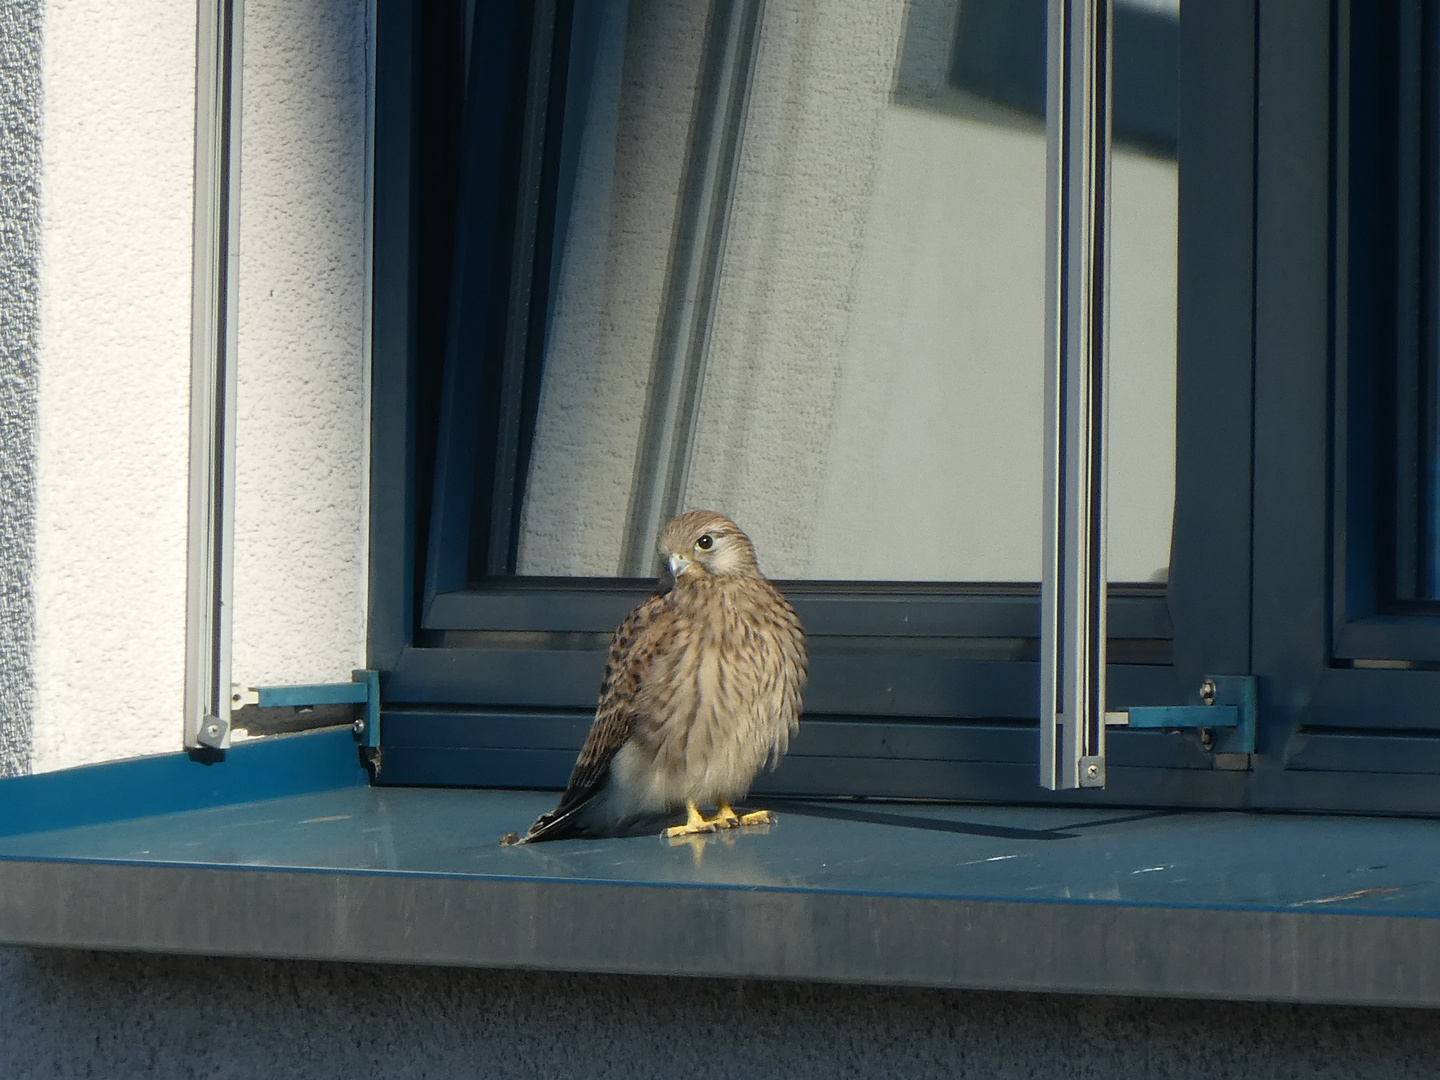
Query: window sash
[[939, 650], [1386, 361], [1330, 657]]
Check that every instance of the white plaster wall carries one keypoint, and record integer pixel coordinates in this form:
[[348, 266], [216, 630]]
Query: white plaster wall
[[114, 364], [301, 450]]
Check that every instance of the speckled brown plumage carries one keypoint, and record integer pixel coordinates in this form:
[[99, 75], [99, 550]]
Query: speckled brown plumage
[[702, 688]]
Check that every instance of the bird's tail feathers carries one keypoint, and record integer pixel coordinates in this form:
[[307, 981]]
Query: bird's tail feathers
[[565, 822]]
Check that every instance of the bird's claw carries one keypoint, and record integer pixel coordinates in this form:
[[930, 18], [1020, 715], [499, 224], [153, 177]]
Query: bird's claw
[[693, 828], [725, 818], [732, 820], [695, 822]]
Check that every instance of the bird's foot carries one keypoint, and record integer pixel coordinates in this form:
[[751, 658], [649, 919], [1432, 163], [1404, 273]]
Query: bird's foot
[[695, 822], [692, 828], [725, 818], [728, 819]]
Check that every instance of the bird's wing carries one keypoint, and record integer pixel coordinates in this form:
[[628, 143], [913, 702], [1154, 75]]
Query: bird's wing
[[633, 648]]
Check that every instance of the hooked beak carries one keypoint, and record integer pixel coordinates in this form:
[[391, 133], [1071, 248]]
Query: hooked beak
[[677, 563]]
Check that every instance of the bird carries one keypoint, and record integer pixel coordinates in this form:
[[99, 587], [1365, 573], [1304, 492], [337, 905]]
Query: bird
[[702, 689]]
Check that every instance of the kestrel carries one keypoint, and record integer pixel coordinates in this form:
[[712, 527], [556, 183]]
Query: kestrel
[[701, 690]]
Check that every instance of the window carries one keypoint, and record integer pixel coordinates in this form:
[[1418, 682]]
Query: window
[[1343, 453], [727, 287], [658, 262]]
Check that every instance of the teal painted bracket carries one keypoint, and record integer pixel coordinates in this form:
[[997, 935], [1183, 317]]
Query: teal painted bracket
[[1228, 709], [363, 689]]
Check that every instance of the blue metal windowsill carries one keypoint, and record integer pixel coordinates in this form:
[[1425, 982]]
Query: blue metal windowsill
[[283, 850]]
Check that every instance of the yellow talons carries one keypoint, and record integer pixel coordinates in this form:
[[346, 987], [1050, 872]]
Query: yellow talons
[[695, 822], [725, 818]]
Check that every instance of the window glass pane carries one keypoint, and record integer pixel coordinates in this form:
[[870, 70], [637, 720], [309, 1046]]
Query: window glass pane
[[801, 281], [1144, 259], [1394, 266], [1418, 209]]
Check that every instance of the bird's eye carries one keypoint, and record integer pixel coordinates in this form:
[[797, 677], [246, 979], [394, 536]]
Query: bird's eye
[[705, 543]]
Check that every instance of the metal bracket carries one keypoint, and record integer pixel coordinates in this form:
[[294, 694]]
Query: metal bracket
[[363, 689], [1228, 707]]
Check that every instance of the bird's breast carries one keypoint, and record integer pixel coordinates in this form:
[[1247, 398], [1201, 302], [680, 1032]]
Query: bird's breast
[[723, 699]]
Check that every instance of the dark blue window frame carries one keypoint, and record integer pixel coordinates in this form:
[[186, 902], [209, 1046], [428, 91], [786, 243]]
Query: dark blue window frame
[[490, 682], [1348, 661]]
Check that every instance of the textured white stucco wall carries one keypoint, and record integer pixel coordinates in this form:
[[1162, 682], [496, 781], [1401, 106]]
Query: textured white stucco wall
[[114, 363], [114, 359], [301, 453]]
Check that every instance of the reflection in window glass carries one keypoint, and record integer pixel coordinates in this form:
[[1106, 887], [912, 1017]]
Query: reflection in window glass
[[822, 311]]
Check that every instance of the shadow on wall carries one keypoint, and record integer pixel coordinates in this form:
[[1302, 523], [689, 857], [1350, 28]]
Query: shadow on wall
[[20, 125], [985, 59]]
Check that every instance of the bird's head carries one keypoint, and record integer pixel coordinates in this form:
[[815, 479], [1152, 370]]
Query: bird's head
[[704, 543]]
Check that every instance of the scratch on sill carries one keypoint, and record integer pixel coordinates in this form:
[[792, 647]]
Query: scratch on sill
[[992, 858], [1356, 895]]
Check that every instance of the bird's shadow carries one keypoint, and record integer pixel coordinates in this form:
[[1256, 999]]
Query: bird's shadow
[[837, 811]]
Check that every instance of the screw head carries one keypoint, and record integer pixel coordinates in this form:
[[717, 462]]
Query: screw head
[[1208, 691], [1092, 770], [358, 727], [213, 730]]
